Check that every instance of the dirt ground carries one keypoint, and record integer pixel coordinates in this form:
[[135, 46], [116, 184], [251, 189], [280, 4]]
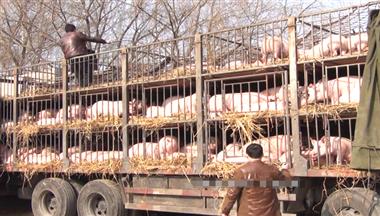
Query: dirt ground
[[11, 206]]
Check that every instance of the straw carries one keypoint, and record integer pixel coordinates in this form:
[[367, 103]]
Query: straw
[[30, 169], [175, 164], [335, 111], [248, 124], [98, 167], [156, 123], [219, 169]]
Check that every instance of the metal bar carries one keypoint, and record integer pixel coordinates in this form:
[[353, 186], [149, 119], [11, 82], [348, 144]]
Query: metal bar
[[215, 193], [299, 161], [167, 208], [201, 159], [64, 107], [15, 94], [125, 106]]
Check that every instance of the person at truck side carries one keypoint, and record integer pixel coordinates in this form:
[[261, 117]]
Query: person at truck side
[[73, 44], [254, 200]]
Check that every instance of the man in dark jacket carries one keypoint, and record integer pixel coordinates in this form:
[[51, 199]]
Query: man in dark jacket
[[73, 44], [254, 201]]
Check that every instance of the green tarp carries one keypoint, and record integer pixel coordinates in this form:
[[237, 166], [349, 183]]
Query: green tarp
[[366, 147]]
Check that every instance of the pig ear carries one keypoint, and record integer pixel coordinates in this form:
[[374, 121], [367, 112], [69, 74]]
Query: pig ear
[[311, 85]]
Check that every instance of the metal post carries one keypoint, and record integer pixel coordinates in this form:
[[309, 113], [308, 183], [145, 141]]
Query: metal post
[[124, 72], [65, 161], [201, 149], [300, 163], [14, 133]]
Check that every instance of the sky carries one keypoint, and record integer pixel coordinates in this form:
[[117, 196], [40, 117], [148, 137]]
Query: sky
[[342, 3]]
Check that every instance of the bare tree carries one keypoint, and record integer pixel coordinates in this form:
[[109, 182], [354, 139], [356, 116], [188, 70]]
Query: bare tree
[[31, 29], [25, 35]]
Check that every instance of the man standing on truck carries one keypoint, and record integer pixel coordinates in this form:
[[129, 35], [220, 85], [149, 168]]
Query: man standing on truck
[[73, 44], [254, 200]]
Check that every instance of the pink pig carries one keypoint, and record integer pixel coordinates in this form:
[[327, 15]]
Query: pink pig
[[168, 145], [216, 106], [155, 111], [273, 147], [231, 150], [106, 155], [47, 121], [169, 100], [180, 106], [340, 90], [245, 102], [104, 109], [358, 42], [330, 46], [279, 93], [331, 146], [152, 150], [46, 114], [73, 112], [275, 46]]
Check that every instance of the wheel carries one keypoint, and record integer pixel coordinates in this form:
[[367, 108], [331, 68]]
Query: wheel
[[54, 197], [352, 202], [77, 186], [100, 198]]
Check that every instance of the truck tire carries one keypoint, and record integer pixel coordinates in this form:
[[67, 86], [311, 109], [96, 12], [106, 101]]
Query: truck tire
[[54, 197], [100, 198], [77, 186], [352, 202]]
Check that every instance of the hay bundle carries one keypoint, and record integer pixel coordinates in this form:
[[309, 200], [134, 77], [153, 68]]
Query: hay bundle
[[248, 124], [176, 164], [24, 131], [100, 167], [225, 170], [151, 123], [27, 130], [99, 123], [159, 122], [219, 169], [334, 111], [30, 169]]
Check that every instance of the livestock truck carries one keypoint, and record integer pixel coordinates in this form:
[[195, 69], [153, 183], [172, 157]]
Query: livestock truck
[[162, 125]]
